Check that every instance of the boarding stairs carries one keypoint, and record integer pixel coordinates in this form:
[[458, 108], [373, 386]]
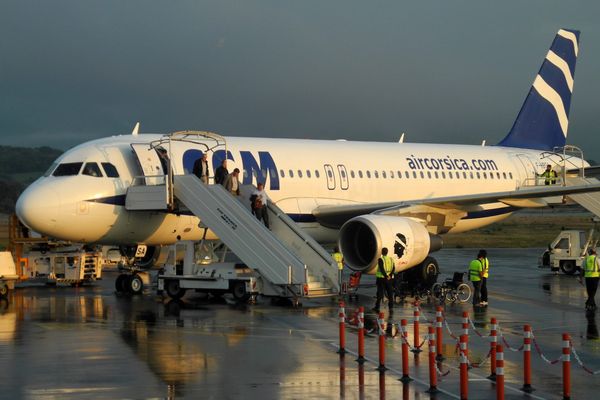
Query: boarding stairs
[[289, 261], [589, 201]]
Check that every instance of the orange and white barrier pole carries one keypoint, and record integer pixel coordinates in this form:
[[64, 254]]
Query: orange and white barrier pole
[[493, 342], [527, 359], [416, 317], [566, 366], [361, 335], [499, 373], [432, 370], [438, 333], [404, 335], [464, 367], [380, 323], [342, 316], [465, 323]]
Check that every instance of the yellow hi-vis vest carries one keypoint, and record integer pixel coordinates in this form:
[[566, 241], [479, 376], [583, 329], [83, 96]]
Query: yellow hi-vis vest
[[338, 259], [388, 266], [475, 268], [486, 267], [591, 267]]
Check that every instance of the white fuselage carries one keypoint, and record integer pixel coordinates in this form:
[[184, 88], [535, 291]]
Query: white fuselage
[[299, 175]]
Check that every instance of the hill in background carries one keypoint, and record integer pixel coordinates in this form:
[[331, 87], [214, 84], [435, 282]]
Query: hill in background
[[19, 166]]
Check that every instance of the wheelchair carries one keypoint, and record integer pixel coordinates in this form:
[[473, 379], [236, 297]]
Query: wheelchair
[[452, 290]]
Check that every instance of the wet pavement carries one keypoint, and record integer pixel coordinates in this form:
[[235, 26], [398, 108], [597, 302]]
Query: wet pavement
[[63, 343]]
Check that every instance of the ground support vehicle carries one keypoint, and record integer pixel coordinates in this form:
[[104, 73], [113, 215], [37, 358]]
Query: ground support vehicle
[[452, 290], [201, 274], [8, 273], [567, 252], [68, 265]]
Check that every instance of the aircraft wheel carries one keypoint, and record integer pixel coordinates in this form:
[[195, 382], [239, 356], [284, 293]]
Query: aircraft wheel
[[568, 267], [3, 289], [173, 289], [135, 284], [120, 283], [429, 271]]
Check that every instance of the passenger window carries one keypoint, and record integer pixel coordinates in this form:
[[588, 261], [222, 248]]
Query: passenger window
[[383, 174], [67, 169], [422, 175], [299, 174], [329, 173], [352, 174], [110, 170], [376, 174], [343, 174], [291, 173], [415, 174], [368, 174], [478, 176], [510, 175], [282, 173], [406, 174], [436, 174], [92, 169], [444, 175], [504, 175], [429, 174], [498, 175], [317, 173], [392, 174], [360, 175], [308, 173], [465, 175], [471, 175]]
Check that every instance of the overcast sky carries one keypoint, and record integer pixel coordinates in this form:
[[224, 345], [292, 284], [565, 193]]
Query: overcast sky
[[442, 71]]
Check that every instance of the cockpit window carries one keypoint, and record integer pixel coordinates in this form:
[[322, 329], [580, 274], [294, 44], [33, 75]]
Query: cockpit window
[[52, 168], [67, 169], [92, 169], [110, 170]]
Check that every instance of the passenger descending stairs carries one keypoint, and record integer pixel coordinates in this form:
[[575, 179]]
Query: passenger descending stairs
[[590, 201], [290, 263]]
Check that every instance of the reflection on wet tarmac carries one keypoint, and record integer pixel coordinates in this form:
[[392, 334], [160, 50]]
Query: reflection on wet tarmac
[[63, 343]]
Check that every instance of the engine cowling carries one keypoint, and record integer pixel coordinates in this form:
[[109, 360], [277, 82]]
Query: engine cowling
[[363, 237]]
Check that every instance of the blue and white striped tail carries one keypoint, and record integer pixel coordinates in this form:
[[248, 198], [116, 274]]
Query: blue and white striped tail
[[543, 120]]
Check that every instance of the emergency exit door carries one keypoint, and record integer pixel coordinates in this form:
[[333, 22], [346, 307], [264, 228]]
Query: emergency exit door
[[330, 176], [343, 177]]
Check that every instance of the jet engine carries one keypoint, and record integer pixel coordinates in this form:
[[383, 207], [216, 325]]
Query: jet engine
[[408, 242]]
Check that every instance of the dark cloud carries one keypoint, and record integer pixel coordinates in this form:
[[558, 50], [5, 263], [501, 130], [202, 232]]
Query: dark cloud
[[441, 71]]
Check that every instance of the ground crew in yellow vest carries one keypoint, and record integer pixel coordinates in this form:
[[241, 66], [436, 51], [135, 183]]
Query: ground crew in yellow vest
[[475, 275], [486, 269], [592, 275], [550, 175], [339, 259], [385, 280]]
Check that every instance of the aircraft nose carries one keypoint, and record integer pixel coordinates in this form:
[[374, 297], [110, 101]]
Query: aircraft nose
[[37, 207]]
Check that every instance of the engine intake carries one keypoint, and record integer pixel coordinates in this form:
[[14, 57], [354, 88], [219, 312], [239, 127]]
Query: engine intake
[[363, 237]]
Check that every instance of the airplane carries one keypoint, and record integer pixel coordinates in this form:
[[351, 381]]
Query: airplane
[[362, 195]]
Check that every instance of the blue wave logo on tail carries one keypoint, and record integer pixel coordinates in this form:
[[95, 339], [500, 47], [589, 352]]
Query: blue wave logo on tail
[[543, 121]]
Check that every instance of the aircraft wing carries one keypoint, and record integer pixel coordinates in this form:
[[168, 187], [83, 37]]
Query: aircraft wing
[[440, 214]]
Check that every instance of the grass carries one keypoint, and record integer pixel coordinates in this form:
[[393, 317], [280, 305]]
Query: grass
[[522, 229]]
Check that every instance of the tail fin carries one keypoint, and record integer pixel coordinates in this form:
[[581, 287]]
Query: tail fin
[[544, 118]]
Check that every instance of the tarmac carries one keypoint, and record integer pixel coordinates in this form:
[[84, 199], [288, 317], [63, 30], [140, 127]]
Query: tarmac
[[89, 342]]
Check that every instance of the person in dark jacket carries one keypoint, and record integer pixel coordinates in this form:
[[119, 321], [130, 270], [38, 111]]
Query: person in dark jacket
[[221, 173]]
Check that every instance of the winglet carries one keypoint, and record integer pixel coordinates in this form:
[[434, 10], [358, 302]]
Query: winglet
[[136, 129], [543, 120]]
